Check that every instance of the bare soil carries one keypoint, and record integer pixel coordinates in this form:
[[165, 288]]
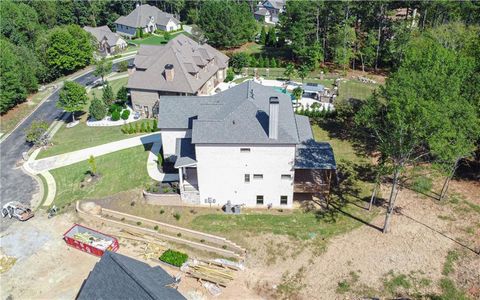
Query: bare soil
[[279, 267]]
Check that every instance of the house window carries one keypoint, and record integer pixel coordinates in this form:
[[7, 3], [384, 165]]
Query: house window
[[247, 178], [244, 150], [283, 200], [286, 176], [259, 199], [257, 176]]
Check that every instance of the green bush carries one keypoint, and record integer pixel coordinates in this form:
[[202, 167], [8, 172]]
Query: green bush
[[154, 125], [177, 216], [131, 129], [162, 211], [115, 116], [137, 128], [156, 227], [142, 127], [122, 95], [174, 258], [123, 66], [229, 76], [422, 184], [125, 114], [114, 107], [149, 129], [139, 223], [97, 109]]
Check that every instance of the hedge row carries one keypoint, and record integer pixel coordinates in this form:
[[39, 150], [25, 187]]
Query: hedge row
[[138, 127]]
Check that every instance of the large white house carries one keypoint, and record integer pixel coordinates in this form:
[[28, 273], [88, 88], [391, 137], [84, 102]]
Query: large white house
[[244, 145]]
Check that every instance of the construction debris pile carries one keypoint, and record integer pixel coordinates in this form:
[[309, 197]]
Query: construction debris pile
[[216, 272], [87, 238]]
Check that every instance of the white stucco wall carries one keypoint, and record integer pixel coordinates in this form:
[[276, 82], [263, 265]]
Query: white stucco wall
[[169, 138], [221, 173]]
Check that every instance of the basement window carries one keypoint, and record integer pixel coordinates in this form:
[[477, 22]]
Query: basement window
[[259, 199], [257, 176], [286, 176], [247, 178], [244, 150], [283, 200]]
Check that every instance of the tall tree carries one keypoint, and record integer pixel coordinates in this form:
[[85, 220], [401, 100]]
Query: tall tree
[[103, 67], [263, 36], [72, 98], [226, 24], [19, 23]]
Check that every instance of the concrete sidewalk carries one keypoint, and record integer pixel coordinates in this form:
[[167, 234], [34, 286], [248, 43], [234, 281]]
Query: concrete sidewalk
[[152, 166], [45, 164]]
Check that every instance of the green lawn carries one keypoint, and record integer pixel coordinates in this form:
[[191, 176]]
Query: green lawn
[[155, 39], [119, 171], [82, 136], [355, 89], [116, 84]]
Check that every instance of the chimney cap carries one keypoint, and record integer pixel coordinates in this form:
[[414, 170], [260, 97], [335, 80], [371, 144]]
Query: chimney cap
[[168, 66], [274, 100]]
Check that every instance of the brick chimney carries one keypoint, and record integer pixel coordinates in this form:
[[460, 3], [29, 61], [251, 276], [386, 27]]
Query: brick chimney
[[273, 118], [169, 72]]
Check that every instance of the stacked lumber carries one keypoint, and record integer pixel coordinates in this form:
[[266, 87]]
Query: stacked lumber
[[211, 273]]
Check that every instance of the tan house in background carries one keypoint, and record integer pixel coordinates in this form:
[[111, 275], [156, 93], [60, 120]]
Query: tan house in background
[[181, 67]]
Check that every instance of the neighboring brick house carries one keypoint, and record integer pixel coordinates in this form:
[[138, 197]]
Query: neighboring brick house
[[269, 10], [244, 145], [108, 42], [147, 18], [181, 67]]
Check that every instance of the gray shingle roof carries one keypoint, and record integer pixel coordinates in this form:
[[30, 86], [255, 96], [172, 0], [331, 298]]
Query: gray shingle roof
[[140, 17], [304, 128], [262, 12], [186, 56], [314, 155], [103, 32], [185, 153], [117, 276], [238, 115]]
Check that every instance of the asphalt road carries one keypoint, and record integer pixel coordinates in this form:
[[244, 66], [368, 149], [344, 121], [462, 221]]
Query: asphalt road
[[15, 185]]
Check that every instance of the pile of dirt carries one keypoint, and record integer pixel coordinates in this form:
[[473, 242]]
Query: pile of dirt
[[91, 208]]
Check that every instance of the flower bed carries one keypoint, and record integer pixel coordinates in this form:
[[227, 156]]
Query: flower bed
[[174, 258]]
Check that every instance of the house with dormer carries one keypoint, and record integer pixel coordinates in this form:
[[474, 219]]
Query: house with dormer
[[148, 19], [181, 67], [269, 10]]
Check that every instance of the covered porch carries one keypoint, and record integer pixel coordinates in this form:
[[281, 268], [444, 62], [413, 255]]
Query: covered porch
[[315, 168], [187, 170]]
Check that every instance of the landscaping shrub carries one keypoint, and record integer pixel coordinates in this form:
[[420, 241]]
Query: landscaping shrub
[[156, 227], [122, 95], [125, 114], [154, 125], [177, 216], [114, 107], [142, 127], [202, 241], [422, 184], [166, 190], [229, 76], [108, 96], [97, 109], [179, 234], [139, 223], [174, 258], [123, 66], [162, 211], [131, 129], [115, 116], [149, 129], [124, 129], [137, 127]]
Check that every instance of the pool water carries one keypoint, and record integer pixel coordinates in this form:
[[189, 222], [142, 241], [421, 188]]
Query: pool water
[[282, 90]]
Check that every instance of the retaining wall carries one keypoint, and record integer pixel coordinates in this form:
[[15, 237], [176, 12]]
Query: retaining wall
[[232, 249]]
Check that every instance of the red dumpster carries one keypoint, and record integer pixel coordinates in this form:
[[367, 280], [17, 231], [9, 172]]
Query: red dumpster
[[89, 240]]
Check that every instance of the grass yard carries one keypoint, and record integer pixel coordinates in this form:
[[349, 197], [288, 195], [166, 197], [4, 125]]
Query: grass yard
[[119, 171], [82, 136], [155, 39], [355, 89], [116, 84], [16, 114]]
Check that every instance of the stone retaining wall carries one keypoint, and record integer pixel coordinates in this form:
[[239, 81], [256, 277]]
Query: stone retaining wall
[[163, 199]]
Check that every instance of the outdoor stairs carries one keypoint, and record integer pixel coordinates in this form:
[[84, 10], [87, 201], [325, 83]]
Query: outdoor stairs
[[190, 194]]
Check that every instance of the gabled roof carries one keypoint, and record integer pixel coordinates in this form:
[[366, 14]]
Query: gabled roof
[[188, 59], [278, 4], [140, 17], [117, 276], [262, 12], [185, 152], [103, 32], [239, 115]]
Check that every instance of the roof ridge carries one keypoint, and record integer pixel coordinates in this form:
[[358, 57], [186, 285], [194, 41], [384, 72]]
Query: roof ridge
[[132, 275]]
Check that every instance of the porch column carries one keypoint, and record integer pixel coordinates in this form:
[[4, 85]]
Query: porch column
[[180, 175]]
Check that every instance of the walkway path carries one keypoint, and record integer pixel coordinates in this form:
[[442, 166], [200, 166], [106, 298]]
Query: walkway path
[[152, 166], [61, 160]]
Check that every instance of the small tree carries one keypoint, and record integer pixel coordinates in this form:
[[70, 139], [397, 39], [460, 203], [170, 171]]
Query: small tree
[[167, 36], [125, 114], [263, 36], [72, 98], [122, 95], [230, 75], [271, 38], [273, 62], [102, 68], [239, 61], [97, 109], [123, 66], [155, 125], [37, 133], [297, 93], [108, 96], [93, 165], [289, 71], [303, 72]]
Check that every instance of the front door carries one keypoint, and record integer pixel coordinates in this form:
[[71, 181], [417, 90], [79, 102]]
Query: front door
[[145, 111]]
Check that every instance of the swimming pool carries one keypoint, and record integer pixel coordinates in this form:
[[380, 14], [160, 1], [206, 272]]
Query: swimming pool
[[282, 90]]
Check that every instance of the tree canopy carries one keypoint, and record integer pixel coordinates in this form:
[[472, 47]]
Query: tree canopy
[[72, 98]]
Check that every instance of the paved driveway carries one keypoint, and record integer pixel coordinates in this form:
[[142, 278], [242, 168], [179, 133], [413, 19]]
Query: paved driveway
[[14, 183]]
